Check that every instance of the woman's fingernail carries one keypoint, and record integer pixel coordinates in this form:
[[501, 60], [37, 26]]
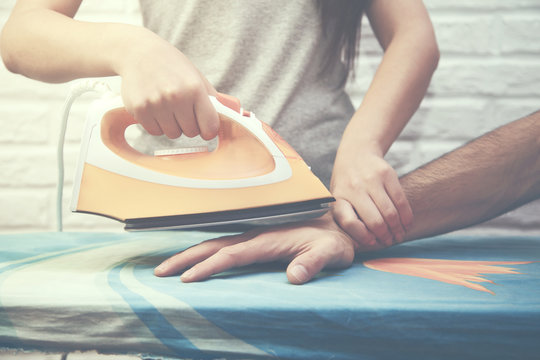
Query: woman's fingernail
[[300, 273]]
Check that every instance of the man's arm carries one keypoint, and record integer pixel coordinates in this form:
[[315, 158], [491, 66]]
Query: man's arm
[[487, 177], [476, 182]]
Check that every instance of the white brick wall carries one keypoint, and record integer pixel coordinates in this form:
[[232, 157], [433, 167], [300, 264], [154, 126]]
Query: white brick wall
[[488, 75]]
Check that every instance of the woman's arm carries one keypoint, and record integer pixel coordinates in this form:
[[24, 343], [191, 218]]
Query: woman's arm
[[370, 201], [41, 40], [404, 31]]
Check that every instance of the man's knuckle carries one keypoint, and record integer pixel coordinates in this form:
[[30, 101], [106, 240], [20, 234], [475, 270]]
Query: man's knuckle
[[392, 217]]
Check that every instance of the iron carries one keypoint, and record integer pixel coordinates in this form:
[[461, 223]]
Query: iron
[[252, 177]]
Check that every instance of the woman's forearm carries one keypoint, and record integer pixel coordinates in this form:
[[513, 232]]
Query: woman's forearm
[[161, 88], [411, 55], [50, 46], [487, 177], [370, 201], [397, 89]]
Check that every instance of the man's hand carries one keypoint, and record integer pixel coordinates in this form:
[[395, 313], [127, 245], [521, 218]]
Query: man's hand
[[309, 247]]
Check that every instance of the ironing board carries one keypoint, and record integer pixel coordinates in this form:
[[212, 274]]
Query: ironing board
[[447, 297]]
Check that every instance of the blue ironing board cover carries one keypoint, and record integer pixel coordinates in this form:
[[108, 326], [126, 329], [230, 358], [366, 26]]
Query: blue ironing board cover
[[96, 291]]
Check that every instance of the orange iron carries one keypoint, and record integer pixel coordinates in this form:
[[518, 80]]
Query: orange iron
[[252, 177]]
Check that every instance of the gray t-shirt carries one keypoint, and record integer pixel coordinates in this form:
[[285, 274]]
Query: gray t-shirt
[[269, 54]]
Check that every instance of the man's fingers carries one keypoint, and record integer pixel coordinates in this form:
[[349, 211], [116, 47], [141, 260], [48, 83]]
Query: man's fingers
[[305, 267], [235, 255], [308, 264], [195, 254], [312, 245]]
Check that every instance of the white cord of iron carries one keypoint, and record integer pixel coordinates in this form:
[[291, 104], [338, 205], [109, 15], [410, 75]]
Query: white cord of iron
[[78, 88]]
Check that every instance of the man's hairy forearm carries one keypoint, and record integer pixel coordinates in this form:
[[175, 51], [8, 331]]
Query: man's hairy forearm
[[489, 176]]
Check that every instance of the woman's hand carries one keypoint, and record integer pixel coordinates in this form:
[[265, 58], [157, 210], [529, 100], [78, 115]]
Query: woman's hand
[[166, 93], [308, 247], [370, 203], [369, 196]]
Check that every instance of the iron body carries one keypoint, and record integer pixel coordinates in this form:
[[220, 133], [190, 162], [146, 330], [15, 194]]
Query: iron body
[[253, 177]]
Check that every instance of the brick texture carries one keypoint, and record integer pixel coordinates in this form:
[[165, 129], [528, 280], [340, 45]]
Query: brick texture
[[488, 75]]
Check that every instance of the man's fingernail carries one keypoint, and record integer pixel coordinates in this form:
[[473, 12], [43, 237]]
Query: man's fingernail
[[161, 267], [187, 275], [300, 273], [408, 224]]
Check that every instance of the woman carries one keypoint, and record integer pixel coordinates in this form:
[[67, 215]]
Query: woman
[[281, 58]]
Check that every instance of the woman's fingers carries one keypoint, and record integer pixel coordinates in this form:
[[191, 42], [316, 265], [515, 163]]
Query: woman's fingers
[[168, 95], [369, 214], [389, 214], [145, 117], [348, 220], [167, 123], [399, 199], [377, 199], [206, 118]]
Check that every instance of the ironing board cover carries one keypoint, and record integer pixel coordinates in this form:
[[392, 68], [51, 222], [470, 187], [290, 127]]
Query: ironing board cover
[[479, 298]]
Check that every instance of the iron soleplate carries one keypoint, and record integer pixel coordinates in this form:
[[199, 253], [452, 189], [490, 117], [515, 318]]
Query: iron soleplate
[[234, 220]]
